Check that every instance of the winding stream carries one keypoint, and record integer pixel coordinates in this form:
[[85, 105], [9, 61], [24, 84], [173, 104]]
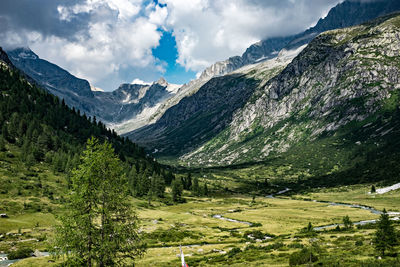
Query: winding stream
[[218, 216], [323, 227]]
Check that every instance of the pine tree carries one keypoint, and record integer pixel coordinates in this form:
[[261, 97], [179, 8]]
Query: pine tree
[[2, 144], [176, 191], [347, 222], [373, 190], [205, 189], [189, 182], [385, 235], [195, 187], [99, 227]]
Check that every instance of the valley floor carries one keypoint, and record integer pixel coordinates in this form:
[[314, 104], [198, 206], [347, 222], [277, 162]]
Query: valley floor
[[276, 230]]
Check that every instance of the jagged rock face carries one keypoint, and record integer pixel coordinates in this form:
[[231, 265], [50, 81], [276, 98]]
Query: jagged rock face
[[222, 67], [4, 57], [343, 76], [346, 14], [265, 49]]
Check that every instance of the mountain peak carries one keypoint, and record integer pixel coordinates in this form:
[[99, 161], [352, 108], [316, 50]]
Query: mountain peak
[[24, 53], [162, 82]]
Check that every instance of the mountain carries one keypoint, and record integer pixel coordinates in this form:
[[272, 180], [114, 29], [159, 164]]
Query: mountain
[[343, 81], [204, 114], [345, 14], [118, 109], [123, 112], [40, 125]]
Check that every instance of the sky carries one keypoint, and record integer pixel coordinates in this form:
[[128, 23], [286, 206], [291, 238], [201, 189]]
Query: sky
[[109, 42]]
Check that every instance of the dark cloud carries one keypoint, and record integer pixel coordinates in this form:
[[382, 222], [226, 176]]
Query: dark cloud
[[40, 16]]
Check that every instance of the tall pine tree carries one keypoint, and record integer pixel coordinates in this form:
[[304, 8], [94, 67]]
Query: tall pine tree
[[385, 236], [99, 227]]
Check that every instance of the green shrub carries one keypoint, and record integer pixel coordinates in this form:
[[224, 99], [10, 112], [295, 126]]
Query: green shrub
[[233, 252], [20, 253], [302, 257]]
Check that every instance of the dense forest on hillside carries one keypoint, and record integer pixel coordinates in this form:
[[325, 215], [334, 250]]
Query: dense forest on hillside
[[43, 129]]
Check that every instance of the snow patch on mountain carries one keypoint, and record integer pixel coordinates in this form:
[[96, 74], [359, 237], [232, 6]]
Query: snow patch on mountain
[[96, 89]]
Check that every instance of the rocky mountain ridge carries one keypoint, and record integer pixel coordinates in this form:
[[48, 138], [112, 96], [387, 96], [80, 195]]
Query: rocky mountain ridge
[[343, 77], [202, 115], [117, 109]]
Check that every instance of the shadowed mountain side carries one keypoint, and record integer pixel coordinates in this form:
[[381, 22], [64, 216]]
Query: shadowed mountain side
[[197, 118]]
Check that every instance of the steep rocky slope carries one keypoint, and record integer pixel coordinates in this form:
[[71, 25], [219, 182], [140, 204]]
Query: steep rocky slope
[[344, 14], [344, 79], [201, 116]]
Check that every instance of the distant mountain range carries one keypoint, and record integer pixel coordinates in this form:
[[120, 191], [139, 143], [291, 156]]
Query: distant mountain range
[[126, 103]]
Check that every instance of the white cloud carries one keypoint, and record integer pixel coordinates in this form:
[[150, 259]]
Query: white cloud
[[111, 41], [139, 81], [117, 38], [207, 31]]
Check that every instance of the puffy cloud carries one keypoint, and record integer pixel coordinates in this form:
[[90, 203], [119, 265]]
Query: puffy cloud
[[111, 41], [207, 31]]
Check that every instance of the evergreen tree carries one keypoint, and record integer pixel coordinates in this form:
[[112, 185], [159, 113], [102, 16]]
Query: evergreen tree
[[310, 227], [347, 222], [195, 187], [2, 144], [205, 189], [159, 185], [4, 132], [169, 177], [176, 191], [373, 190], [189, 182], [30, 161], [99, 227], [385, 235]]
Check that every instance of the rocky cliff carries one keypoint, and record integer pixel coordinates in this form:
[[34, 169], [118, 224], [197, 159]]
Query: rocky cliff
[[343, 80]]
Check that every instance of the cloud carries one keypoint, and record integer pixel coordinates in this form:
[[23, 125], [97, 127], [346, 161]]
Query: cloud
[[207, 31], [112, 41], [139, 81], [104, 41]]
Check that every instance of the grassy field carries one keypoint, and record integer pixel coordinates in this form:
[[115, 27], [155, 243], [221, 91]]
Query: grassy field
[[32, 197], [207, 240]]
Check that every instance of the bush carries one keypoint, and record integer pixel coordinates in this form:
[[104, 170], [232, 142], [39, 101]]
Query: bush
[[359, 243], [302, 257], [233, 252], [20, 253]]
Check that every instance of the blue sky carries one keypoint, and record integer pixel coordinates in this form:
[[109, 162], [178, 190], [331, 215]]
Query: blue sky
[[109, 42], [167, 52]]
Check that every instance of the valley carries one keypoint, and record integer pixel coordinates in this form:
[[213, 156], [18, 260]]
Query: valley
[[287, 155]]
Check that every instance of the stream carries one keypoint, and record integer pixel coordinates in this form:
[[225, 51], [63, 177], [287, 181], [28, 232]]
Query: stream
[[4, 261], [323, 227], [356, 206], [218, 216]]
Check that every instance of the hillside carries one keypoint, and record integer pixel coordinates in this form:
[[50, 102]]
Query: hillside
[[203, 115], [41, 141], [343, 76]]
